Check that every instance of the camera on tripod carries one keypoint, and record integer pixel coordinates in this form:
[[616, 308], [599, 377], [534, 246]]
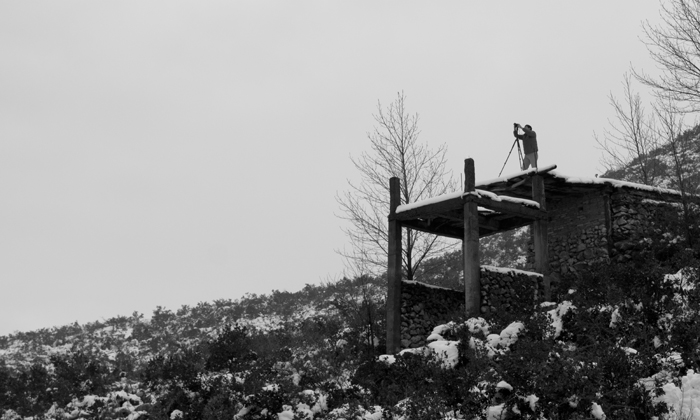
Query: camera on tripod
[[520, 153]]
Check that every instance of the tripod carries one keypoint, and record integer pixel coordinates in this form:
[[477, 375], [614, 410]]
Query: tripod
[[520, 156]]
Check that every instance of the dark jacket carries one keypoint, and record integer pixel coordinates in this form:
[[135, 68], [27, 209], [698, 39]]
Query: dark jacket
[[529, 140]]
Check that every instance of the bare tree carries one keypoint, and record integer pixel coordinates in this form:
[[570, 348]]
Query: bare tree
[[670, 129], [395, 152], [631, 137], [675, 46], [679, 145]]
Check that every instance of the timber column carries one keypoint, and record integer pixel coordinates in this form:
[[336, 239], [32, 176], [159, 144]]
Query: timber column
[[472, 283], [541, 243], [393, 300]]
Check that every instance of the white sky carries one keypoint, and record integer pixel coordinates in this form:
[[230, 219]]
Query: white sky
[[168, 153]]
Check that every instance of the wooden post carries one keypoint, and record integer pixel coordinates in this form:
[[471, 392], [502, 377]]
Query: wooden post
[[472, 283], [393, 301], [540, 235]]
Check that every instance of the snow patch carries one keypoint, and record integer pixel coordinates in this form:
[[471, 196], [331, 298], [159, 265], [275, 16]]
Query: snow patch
[[597, 411], [556, 315], [683, 400], [504, 270]]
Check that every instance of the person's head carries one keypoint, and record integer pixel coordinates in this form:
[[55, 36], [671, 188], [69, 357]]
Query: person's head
[[528, 126]]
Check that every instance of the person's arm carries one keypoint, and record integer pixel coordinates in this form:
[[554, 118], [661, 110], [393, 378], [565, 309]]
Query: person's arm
[[515, 132]]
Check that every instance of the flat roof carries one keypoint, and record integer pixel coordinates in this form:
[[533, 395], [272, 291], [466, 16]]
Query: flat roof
[[505, 203]]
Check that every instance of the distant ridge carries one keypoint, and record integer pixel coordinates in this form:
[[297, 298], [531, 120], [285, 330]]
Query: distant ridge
[[662, 167]]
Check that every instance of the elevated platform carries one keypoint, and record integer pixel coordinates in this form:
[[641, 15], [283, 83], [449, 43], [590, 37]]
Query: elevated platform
[[583, 215], [444, 215], [466, 215]]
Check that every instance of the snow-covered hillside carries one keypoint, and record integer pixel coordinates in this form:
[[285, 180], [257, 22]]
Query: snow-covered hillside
[[622, 342]]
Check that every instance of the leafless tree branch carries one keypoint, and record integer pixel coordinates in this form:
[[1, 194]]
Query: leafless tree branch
[[631, 137], [394, 152], [675, 46]]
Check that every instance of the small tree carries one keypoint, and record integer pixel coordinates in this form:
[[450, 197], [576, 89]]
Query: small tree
[[631, 137], [670, 129], [395, 152], [679, 146]]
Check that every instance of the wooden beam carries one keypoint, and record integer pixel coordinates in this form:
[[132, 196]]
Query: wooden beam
[[511, 223], [427, 226], [428, 210], [453, 205], [454, 227], [455, 216], [472, 283], [393, 301], [508, 207]]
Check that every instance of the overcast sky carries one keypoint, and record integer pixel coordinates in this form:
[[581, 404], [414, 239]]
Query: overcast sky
[[169, 153]]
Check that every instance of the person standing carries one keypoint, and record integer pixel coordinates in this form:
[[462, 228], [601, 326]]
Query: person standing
[[529, 138]]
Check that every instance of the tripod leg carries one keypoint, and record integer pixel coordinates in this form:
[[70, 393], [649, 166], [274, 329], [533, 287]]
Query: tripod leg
[[520, 157], [511, 151]]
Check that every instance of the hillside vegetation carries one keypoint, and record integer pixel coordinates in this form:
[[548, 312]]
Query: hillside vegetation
[[620, 341], [661, 166]]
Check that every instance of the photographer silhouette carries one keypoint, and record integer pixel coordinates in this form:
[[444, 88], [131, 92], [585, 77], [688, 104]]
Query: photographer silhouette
[[529, 139]]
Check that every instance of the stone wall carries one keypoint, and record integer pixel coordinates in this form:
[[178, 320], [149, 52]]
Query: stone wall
[[506, 288], [637, 221], [578, 232], [423, 306]]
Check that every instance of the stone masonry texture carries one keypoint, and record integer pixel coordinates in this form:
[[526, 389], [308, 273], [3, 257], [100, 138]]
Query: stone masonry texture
[[423, 307]]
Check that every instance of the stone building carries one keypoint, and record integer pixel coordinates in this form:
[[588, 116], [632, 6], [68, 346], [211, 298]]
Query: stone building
[[574, 222], [593, 219]]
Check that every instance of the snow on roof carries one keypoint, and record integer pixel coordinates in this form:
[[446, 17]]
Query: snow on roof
[[478, 193], [509, 270], [612, 182], [432, 286], [432, 200], [515, 175], [548, 169], [496, 197], [577, 180], [660, 203]]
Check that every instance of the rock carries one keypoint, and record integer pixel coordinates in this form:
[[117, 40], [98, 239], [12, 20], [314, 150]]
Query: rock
[[580, 266], [624, 245]]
